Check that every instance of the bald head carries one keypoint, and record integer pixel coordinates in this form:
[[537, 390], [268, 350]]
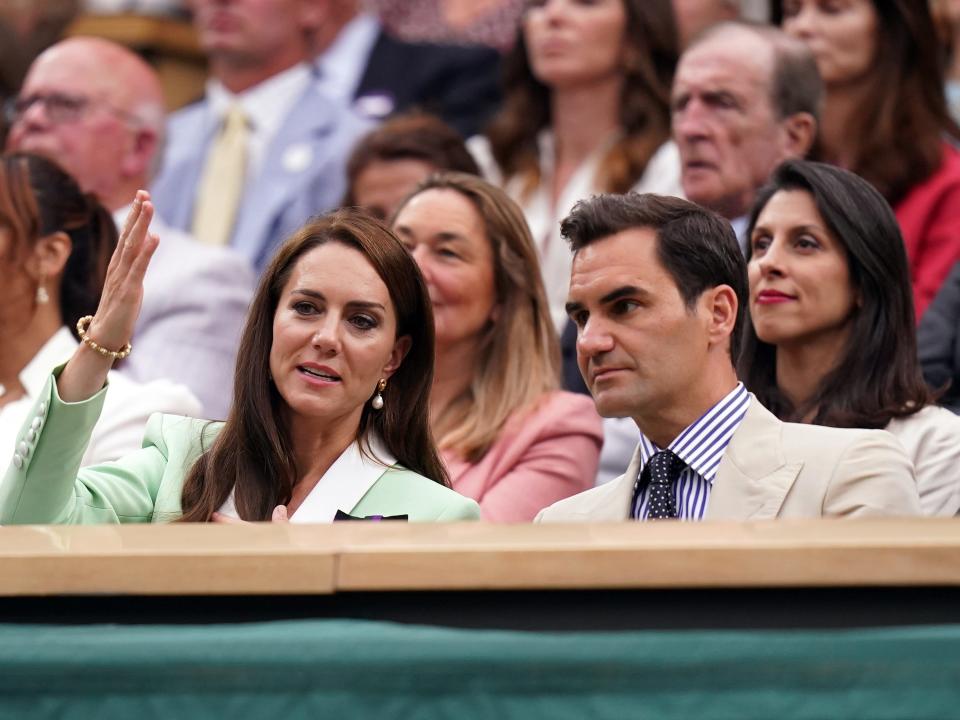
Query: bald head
[[97, 109]]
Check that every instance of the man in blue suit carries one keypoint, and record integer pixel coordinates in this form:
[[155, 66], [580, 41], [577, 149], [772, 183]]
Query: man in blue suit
[[266, 147]]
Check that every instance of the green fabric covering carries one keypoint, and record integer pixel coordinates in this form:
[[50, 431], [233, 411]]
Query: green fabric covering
[[355, 669]]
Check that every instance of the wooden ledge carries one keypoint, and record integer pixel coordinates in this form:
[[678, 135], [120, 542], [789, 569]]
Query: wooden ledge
[[269, 559]]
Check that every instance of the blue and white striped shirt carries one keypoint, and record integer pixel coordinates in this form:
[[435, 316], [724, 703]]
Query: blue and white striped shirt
[[701, 447]]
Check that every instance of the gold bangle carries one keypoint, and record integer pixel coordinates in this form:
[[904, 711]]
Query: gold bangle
[[82, 325]]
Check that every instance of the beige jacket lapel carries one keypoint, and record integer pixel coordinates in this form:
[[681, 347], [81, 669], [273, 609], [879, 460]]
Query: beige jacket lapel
[[611, 502], [753, 478]]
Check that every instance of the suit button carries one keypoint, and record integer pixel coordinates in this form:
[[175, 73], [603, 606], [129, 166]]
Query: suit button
[[17, 460], [37, 422], [23, 449]]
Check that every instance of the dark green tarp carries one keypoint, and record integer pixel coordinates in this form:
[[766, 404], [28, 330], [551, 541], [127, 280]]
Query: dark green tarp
[[358, 669]]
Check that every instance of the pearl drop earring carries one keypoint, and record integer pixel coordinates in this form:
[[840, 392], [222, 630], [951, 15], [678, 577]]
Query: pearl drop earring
[[43, 297], [377, 402]]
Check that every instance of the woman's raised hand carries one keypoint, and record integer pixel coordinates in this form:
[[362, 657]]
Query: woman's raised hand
[[112, 326]]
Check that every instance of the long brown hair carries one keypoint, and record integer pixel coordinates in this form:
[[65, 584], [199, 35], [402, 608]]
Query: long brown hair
[[896, 135], [37, 199], [253, 454], [878, 377], [519, 354], [649, 59]]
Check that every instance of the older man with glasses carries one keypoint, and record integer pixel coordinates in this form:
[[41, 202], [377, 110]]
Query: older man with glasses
[[97, 110]]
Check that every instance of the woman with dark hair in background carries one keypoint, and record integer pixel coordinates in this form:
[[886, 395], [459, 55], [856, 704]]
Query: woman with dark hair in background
[[886, 119], [511, 439], [390, 161], [330, 399], [832, 340], [55, 243], [586, 110]]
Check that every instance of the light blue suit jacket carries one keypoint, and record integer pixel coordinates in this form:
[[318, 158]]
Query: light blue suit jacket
[[303, 173]]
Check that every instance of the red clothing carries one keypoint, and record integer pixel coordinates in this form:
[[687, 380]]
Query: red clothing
[[929, 218]]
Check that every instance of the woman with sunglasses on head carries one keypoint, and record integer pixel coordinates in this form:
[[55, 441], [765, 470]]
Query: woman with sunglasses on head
[[832, 337], [329, 415]]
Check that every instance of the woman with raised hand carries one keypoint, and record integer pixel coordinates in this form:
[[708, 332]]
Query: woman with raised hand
[[511, 439], [55, 243], [586, 110], [330, 402], [885, 117], [832, 339]]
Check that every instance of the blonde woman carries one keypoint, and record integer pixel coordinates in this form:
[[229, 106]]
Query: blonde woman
[[511, 440]]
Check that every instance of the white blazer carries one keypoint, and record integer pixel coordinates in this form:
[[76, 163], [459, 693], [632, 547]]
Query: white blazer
[[931, 438]]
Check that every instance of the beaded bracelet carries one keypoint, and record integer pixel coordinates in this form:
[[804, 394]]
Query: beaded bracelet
[[82, 325]]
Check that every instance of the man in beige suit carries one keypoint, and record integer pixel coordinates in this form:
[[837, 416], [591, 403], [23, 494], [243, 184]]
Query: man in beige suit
[[658, 294]]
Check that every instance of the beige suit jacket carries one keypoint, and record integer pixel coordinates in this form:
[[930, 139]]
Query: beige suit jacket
[[773, 469]]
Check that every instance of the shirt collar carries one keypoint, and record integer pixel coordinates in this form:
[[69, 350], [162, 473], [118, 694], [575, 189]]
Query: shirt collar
[[56, 351], [265, 104], [740, 225], [702, 443], [343, 63]]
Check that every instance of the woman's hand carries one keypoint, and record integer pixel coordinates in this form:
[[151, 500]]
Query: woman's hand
[[279, 515], [112, 326]]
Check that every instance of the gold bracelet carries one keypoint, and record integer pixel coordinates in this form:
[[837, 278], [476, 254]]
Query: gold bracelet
[[82, 325]]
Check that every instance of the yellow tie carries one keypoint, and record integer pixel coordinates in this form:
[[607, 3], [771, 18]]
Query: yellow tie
[[221, 186]]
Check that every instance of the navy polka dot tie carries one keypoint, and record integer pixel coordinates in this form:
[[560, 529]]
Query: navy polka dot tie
[[662, 472]]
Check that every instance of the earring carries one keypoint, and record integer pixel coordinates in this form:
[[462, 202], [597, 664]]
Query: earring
[[377, 402], [43, 297]]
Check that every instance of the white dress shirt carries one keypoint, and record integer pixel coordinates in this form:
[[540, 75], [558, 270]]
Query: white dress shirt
[[126, 409], [266, 106], [661, 176], [343, 63]]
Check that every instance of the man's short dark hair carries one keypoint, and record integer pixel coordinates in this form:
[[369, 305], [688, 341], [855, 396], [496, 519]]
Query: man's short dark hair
[[697, 247]]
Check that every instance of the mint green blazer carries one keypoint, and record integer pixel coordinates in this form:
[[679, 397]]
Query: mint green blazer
[[46, 485]]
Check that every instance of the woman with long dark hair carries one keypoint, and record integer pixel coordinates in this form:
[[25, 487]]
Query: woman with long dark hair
[[586, 110], [330, 399], [886, 119], [832, 337]]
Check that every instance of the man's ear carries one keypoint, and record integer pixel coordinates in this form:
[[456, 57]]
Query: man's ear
[[49, 256], [721, 306], [800, 130], [138, 162]]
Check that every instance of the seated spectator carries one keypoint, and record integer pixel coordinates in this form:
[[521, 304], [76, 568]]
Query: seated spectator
[[55, 243], [658, 293], [586, 110], [509, 437], [377, 74], [832, 339], [330, 400], [389, 162], [938, 342], [772, 81], [96, 109], [265, 148], [886, 119], [946, 15]]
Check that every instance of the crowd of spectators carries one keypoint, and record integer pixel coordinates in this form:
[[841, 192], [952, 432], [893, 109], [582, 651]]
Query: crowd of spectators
[[442, 260]]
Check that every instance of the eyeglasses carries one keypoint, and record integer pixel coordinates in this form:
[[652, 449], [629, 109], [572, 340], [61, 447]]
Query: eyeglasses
[[59, 108]]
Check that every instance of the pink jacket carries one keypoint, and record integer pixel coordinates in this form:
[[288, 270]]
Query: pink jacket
[[540, 457]]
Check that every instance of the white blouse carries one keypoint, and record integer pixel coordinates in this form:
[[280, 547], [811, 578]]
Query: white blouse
[[661, 176]]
